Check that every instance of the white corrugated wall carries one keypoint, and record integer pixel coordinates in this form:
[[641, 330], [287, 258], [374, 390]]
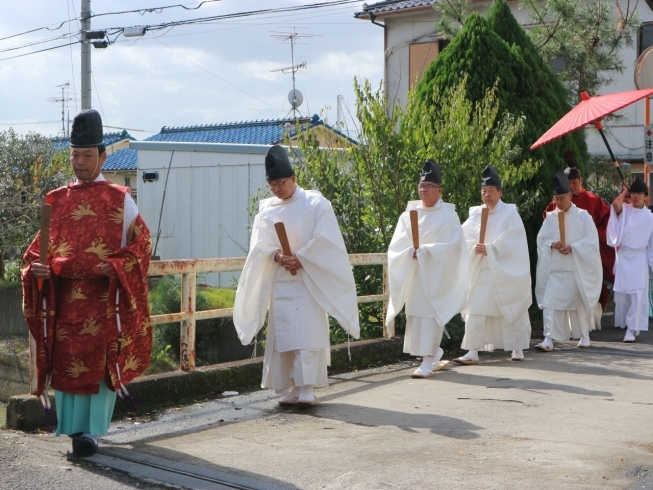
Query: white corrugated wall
[[205, 213]]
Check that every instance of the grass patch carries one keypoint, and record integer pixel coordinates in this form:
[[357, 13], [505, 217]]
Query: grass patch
[[217, 298]]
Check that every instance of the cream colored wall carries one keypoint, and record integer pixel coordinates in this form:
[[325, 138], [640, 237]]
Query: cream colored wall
[[119, 178], [118, 145]]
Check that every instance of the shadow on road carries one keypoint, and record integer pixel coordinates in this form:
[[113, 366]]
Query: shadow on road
[[377, 417]]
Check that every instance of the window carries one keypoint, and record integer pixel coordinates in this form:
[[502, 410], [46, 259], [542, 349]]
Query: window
[[645, 37], [420, 57]]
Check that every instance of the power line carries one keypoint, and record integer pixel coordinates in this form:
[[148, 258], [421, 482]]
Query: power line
[[216, 76], [170, 25], [39, 51], [243, 25], [157, 10], [141, 11], [34, 43], [27, 123], [37, 29], [250, 13]]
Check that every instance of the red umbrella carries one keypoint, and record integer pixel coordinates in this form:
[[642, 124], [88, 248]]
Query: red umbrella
[[592, 110]]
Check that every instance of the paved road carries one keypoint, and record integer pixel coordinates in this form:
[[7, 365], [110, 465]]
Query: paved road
[[571, 419]]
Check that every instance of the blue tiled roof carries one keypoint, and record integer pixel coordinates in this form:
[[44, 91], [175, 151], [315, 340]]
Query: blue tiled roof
[[259, 132], [109, 139], [391, 6], [124, 159]]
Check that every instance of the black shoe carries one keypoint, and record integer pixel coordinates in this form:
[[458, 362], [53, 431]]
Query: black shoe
[[84, 447]]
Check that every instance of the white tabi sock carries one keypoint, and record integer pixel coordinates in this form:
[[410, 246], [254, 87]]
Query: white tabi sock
[[307, 393], [630, 335], [427, 364], [438, 356], [292, 394], [472, 354], [518, 353], [585, 340], [547, 342]]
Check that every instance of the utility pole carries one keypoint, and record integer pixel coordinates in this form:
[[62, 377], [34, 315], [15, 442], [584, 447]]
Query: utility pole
[[86, 54]]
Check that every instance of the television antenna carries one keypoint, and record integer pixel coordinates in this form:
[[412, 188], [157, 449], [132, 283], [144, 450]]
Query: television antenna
[[63, 99], [295, 97]]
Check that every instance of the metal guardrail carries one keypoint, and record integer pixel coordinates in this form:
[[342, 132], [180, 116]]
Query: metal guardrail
[[188, 316]]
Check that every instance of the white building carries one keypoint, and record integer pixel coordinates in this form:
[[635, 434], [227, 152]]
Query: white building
[[201, 194], [411, 43]]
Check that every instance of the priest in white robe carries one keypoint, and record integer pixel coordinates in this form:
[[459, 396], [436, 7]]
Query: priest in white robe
[[295, 290], [569, 271], [429, 280], [499, 288], [630, 232]]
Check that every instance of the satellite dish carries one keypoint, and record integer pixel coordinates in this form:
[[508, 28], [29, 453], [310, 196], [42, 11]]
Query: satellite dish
[[644, 70], [295, 98]]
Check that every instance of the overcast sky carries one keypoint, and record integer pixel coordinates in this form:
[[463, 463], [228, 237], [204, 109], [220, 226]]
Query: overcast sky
[[200, 74]]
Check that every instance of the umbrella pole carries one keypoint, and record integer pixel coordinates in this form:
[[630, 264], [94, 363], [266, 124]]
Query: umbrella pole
[[614, 160]]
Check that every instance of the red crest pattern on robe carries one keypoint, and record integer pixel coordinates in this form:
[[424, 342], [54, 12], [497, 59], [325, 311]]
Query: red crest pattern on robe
[[97, 327]]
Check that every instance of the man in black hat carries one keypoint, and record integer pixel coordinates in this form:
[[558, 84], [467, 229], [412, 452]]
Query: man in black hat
[[569, 271], [429, 280], [498, 297], [630, 232], [295, 290], [97, 335], [600, 213]]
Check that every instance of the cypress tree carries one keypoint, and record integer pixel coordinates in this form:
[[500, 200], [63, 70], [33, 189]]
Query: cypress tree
[[497, 48], [540, 96], [481, 54]]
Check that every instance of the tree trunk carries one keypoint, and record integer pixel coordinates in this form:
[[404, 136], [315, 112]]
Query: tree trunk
[[2, 264]]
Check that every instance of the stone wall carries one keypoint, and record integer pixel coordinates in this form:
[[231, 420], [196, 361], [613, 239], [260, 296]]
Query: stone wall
[[12, 321], [15, 376], [25, 412]]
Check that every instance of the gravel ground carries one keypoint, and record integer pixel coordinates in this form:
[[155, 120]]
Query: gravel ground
[[29, 461]]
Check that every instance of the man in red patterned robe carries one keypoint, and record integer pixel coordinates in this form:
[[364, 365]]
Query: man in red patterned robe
[[600, 213], [87, 306]]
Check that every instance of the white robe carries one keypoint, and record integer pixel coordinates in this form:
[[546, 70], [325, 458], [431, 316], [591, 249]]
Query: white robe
[[499, 285], [298, 304], [573, 281], [631, 234], [433, 287]]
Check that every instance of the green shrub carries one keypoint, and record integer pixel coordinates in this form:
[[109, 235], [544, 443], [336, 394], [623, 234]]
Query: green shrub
[[166, 298]]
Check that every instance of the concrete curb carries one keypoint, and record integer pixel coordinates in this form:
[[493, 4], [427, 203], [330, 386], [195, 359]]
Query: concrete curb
[[25, 412]]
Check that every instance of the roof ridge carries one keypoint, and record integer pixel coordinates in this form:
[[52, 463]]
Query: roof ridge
[[239, 124]]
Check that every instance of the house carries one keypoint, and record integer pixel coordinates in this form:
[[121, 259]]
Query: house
[[259, 132], [411, 43], [197, 184]]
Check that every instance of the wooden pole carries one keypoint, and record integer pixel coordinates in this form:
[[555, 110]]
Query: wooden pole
[[561, 226], [485, 213], [283, 240], [414, 227], [46, 217]]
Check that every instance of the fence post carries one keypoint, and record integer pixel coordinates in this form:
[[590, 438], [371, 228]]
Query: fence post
[[386, 334], [187, 347]]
